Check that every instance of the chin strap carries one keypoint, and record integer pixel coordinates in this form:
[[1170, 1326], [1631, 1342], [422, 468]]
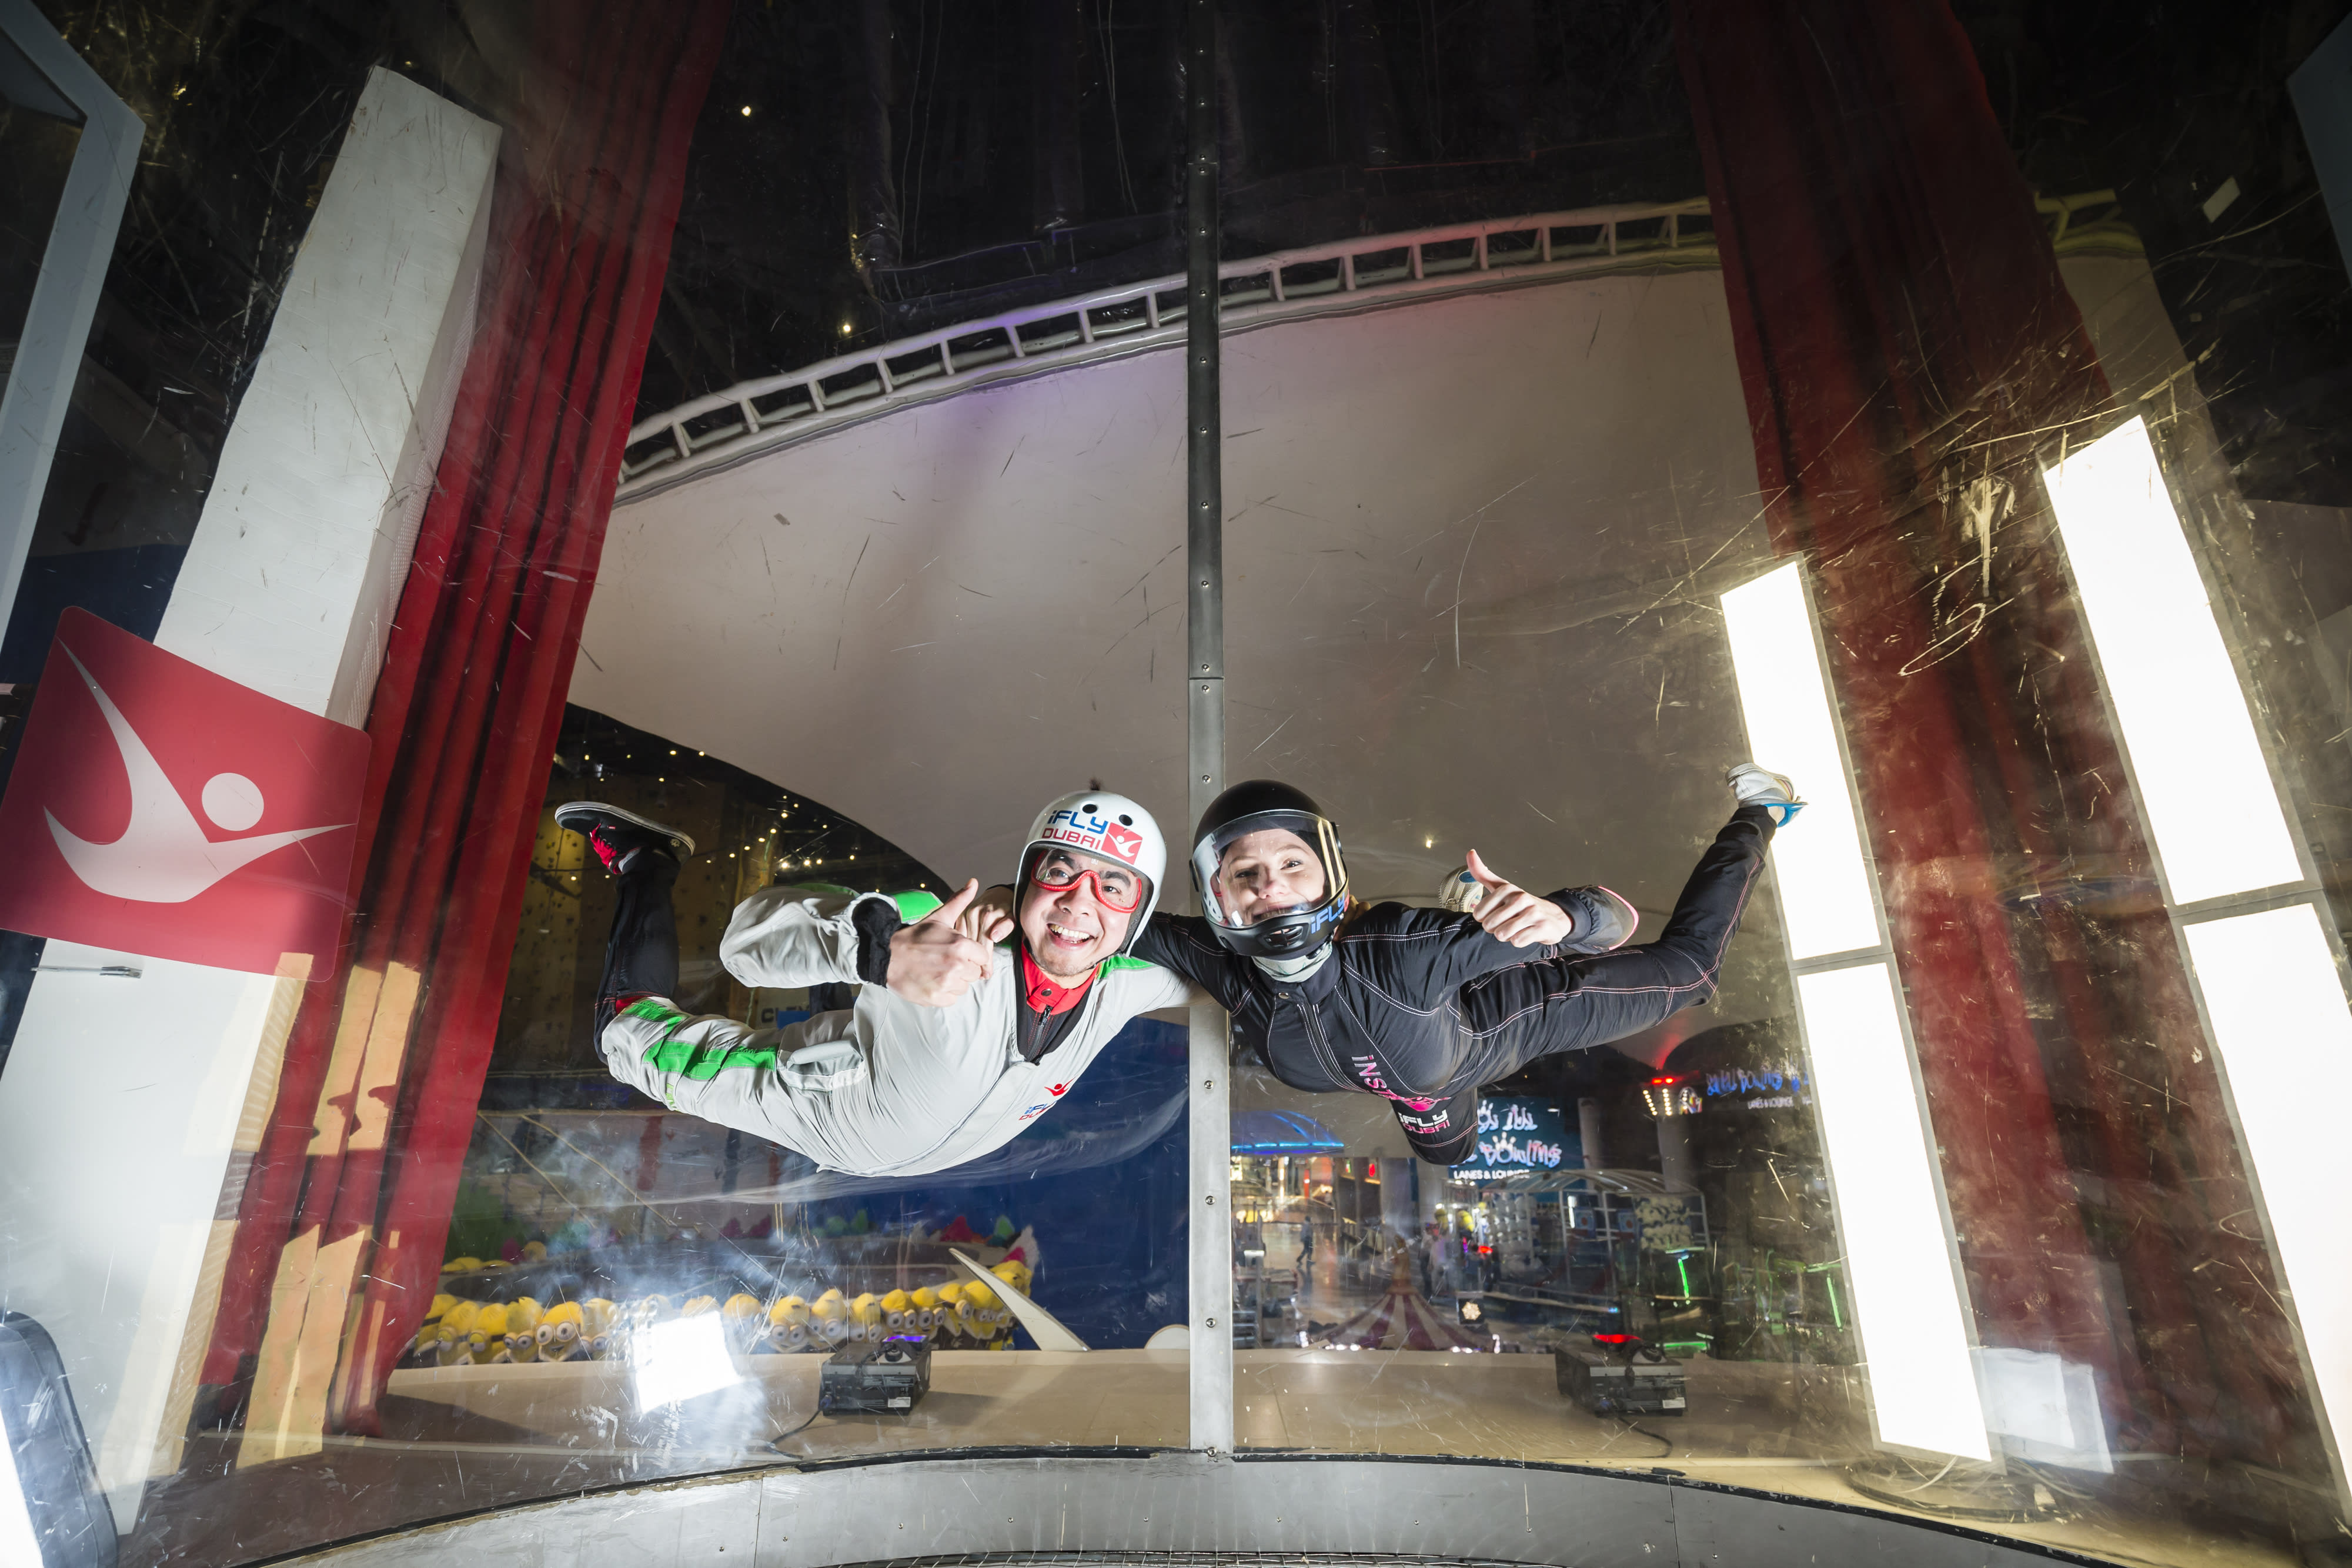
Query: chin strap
[[1296, 968]]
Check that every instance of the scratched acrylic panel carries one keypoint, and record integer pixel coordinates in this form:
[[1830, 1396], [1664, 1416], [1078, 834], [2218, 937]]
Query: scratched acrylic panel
[[767, 424], [39, 150], [1952, 1213]]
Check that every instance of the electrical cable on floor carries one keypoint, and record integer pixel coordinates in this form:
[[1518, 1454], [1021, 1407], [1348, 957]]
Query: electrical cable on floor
[[1666, 1444], [1931, 1480], [792, 1432]]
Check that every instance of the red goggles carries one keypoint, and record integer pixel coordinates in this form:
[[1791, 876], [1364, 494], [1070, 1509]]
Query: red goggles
[[1056, 874]]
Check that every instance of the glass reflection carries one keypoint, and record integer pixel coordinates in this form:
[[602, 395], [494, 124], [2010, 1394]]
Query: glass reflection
[[1939, 405]]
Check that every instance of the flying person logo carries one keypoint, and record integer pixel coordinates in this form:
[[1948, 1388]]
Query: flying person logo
[[1124, 843], [163, 856], [156, 808]]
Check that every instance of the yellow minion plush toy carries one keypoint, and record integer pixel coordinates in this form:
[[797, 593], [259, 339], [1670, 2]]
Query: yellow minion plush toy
[[456, 1327], [897, 1309], [598, 1317], [831, 1317], [422, 1350], [979, 1316], [486, 1342], [522, 1330], [1014, 1273], [743, 1319], [866, 1313], [559, 1333], [926, 1304], [788, 1326]]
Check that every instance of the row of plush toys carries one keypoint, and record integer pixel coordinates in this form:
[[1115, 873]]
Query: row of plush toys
[[954, 1316]]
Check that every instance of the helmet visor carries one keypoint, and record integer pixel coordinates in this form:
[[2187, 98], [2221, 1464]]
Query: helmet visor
[[1270, 863]]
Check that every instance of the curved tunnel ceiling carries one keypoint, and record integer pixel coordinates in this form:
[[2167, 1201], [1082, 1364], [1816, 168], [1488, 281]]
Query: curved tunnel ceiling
[[1471, 551]]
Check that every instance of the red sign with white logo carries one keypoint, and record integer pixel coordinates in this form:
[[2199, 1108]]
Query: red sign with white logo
[[159, 809]]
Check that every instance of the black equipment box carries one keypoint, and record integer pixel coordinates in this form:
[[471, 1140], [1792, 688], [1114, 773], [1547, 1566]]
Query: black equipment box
[[889, 1375], [1620, 1382]]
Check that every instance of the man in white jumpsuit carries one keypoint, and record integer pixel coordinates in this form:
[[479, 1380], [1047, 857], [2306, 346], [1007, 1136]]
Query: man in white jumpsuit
[[969, 1026]]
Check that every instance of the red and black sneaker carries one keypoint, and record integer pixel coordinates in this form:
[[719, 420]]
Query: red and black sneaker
[[616, 835]]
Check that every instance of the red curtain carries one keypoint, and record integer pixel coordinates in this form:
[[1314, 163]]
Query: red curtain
[[345, 1220], [1910, 354]]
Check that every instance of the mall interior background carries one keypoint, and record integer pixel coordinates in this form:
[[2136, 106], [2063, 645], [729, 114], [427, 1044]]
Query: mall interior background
[[613, 500]]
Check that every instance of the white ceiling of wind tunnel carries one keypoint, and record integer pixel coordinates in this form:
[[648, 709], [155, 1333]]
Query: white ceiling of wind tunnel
[[1472, 549]]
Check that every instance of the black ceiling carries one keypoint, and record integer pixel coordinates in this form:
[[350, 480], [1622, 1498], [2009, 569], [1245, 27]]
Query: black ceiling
[[1014, 149]]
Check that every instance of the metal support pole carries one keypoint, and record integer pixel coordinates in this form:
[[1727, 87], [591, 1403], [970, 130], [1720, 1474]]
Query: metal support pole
[[1211, 1189]]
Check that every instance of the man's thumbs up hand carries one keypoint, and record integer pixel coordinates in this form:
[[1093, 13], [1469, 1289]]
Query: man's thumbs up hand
[[933, 963]]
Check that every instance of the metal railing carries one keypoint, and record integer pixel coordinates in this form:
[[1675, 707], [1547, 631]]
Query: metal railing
[[751, 417]]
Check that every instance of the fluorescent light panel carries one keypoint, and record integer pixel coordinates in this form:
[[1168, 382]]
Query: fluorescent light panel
[[2210, 804], [18, 1542], [2282, 1033], [1825, 895], [1907, 1309], [682, 1359]]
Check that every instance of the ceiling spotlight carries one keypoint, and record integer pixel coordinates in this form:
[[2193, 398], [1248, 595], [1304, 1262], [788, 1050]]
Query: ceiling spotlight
[[747, 111]]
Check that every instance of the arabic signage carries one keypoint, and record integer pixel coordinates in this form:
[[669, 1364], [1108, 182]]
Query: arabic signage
[[1518, 1137]]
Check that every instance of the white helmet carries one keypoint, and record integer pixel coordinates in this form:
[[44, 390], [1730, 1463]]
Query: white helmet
[[1101, 823]]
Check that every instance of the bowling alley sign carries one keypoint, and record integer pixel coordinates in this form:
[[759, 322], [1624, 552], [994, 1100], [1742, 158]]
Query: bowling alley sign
[[1515, 1137], [159, 809]]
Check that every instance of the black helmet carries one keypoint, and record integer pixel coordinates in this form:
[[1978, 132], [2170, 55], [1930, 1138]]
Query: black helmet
[[1248, 808]]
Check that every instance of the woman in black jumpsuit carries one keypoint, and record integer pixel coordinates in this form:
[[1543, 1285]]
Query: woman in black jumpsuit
[[1423, 1005]]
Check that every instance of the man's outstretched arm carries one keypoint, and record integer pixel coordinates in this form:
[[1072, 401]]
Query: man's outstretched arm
[[924, 950]]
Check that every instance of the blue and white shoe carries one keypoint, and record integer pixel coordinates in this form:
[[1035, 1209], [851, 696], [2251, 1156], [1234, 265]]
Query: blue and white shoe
[[1460, 892], [1755, 787]]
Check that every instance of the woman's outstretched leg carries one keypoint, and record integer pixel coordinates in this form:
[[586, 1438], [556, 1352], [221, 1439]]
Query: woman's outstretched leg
[[1513, 1016]]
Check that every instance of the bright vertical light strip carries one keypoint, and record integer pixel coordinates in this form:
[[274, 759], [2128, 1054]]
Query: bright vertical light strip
[[2210, 804], [1825, 893], [18, 1542], [2284, 1034], [1905, 1299]]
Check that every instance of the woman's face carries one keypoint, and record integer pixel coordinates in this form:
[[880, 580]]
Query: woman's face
[[1265, 872]]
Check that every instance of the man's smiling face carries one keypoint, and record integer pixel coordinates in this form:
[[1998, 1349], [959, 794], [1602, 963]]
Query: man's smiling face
[[1070, 928]]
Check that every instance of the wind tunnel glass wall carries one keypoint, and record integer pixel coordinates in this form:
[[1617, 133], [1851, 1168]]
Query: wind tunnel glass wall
[[753, 436]]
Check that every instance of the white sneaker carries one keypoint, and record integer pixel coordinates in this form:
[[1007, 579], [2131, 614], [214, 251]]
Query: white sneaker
[[1460, 892], [1754, 786]]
